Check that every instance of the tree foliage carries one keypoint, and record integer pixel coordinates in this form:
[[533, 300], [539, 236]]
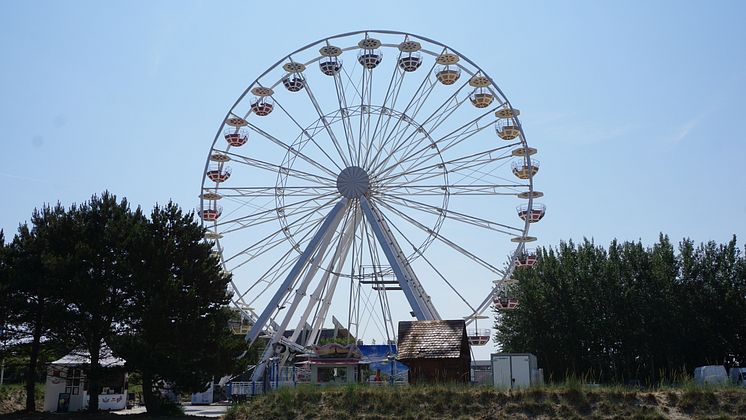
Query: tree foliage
[[34, 287], [101, 272], [629, 312], [178, 333]]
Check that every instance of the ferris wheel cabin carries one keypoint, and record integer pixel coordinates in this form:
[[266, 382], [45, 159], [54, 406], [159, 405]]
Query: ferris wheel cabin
[[369, 59], [505, 303], [478, 337], [447, 72], [236, 137], [262, 106], [410, 62], [330, 66], [533, 214], [293, 83], [506, 130], [523, 170], [218, 173], [211, 213], [527, 258]]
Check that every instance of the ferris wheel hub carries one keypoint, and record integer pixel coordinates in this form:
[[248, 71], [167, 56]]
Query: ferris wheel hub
[[353, 182]]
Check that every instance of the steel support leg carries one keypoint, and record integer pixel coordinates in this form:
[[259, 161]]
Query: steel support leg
[[334, 216], [416, 295]]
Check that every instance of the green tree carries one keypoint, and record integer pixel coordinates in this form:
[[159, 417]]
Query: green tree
[[178, 329], [100, 259], [6, 314], [630, 312], [34, 290]]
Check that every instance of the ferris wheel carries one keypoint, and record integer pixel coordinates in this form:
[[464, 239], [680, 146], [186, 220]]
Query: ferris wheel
[[366, 178]]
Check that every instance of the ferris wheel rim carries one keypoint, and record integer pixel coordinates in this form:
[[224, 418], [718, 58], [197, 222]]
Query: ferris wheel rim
[[484, 305]]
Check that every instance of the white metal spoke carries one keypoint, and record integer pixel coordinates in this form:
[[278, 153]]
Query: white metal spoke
[[363, 137], [290, 149], [344, 113], [271, 167], [417, 152], [397, 77], [457, 216], [431, 265], [290, 191], [327, 127], [268, 243], [438, 116], [443, 239], [266, 216], [274, 239], [452, 189], [417, 101], [453, 165]]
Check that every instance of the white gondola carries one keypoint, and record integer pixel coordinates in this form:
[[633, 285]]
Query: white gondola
[[533, 214], [236, 137]]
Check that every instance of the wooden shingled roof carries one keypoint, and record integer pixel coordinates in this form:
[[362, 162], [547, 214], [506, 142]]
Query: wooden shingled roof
[[432, 340]]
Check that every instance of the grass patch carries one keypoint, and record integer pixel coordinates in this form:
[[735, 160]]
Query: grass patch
[[466, 402]]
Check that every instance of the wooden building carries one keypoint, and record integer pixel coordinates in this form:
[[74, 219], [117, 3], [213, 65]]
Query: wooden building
[[435, 351]]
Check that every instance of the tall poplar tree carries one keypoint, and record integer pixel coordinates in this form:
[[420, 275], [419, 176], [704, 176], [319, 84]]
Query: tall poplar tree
[[630, 312]]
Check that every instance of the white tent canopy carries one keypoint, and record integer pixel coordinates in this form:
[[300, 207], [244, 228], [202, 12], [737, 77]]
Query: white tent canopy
[[79, 357]]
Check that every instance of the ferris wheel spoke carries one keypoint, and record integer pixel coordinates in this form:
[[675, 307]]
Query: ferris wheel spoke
[[369, 307], [265, 216], [442, 238], [397, 77], [327, 126], [280, 268], [467, 172], [304, 220], [388, 323], [455, 215], [452, 189], [287, 191], [459, 136], [432, 266], [454, 165], [365, 111], [296, 152], [352, 83], [417, 101], [271, 167], [268, 243], [344, 113], [417, 152], [269, 277], [448, 107]]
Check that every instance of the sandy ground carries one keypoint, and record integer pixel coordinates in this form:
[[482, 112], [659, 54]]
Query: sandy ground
[[212, 410], [138, 413]]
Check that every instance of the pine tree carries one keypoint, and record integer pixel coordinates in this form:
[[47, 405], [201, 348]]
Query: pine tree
[[100, 266], [34, 289], [178, 329]]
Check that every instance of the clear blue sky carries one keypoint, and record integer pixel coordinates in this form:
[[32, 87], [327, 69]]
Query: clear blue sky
[[636, 107]]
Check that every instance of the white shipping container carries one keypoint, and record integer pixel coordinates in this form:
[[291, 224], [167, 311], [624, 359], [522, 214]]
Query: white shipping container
[[515, 370]]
